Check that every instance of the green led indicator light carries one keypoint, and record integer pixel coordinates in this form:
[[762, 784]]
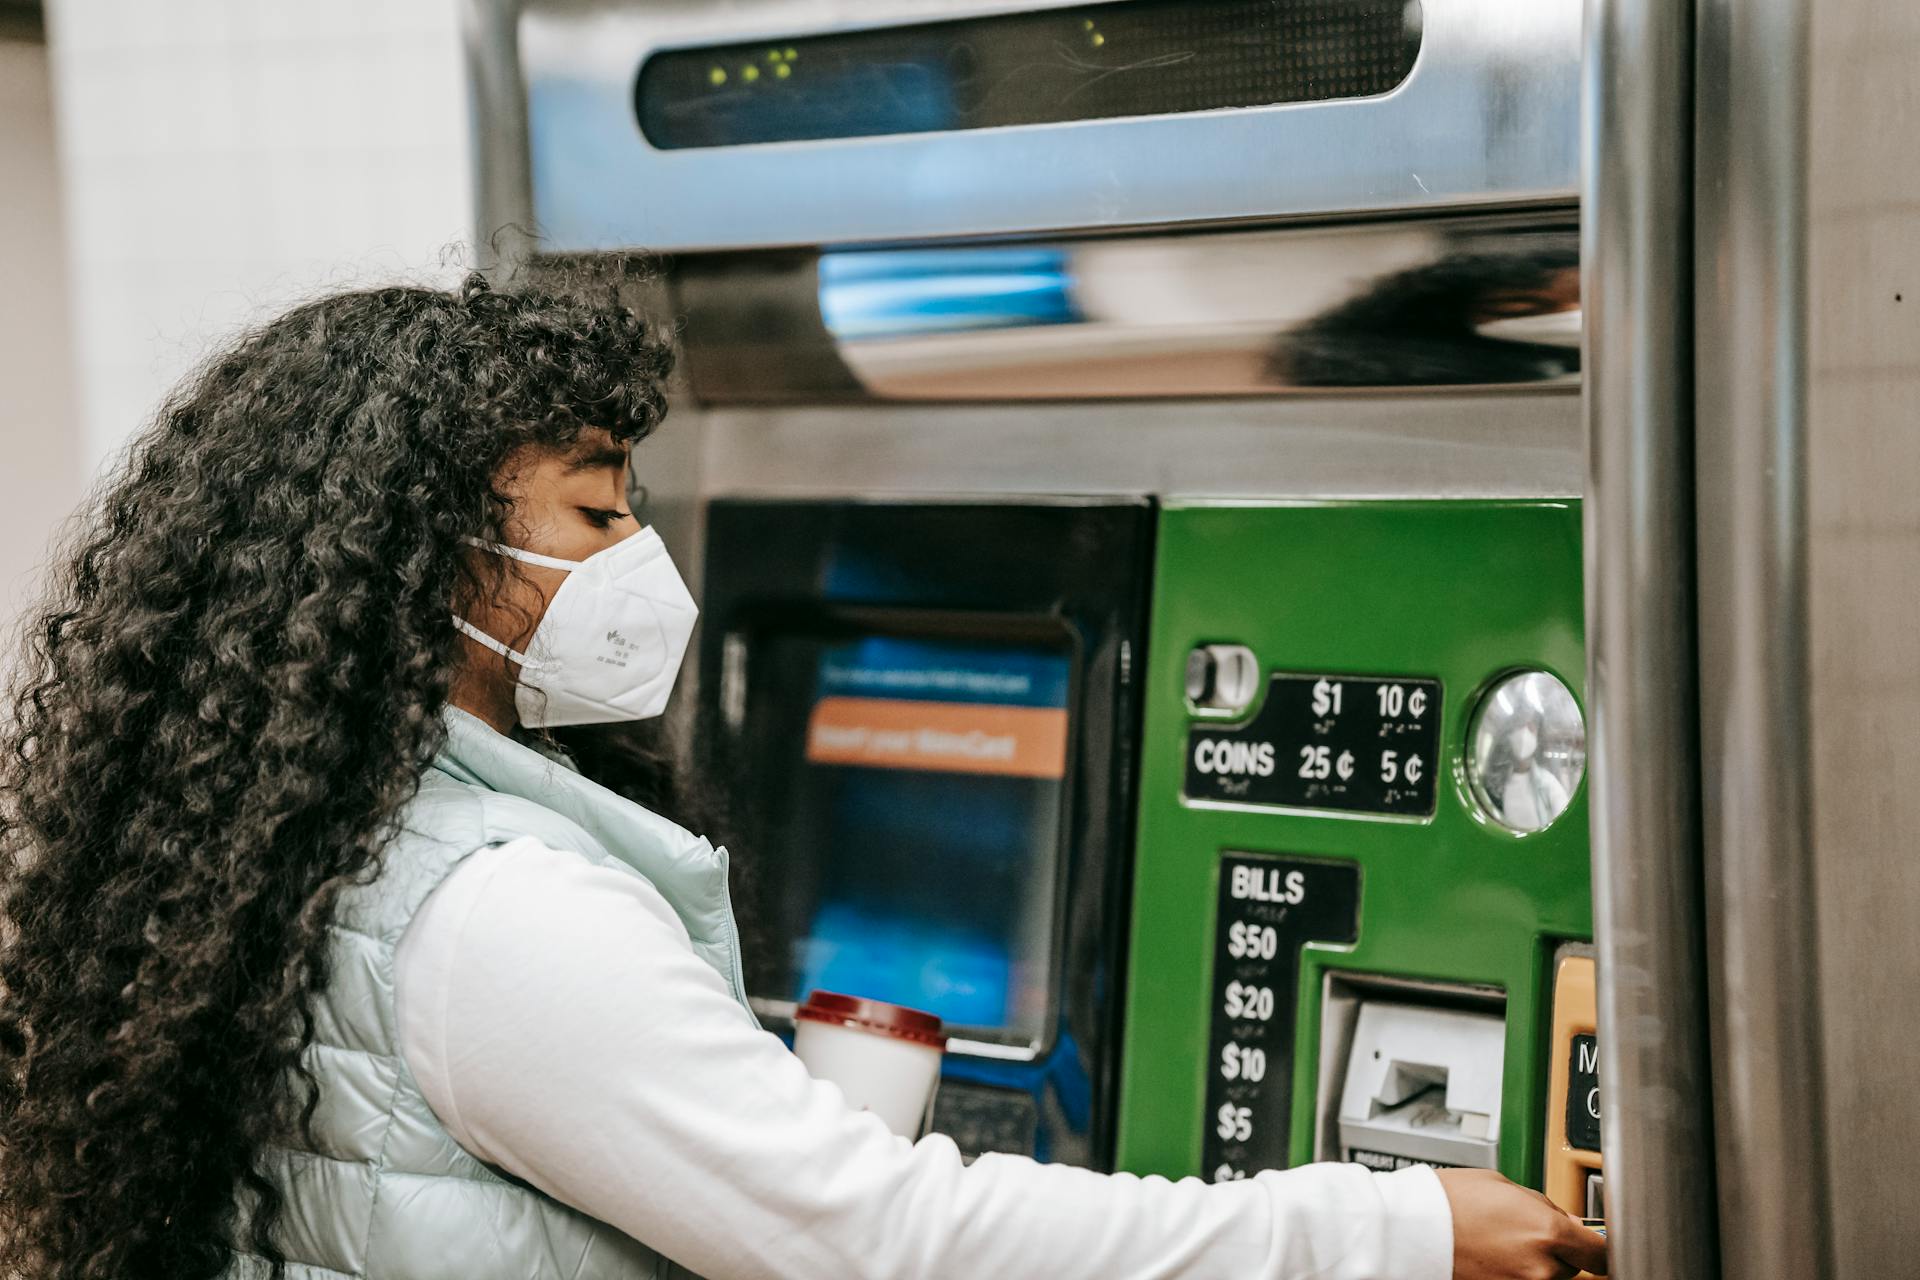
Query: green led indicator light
[[783, 71], [749, 73], [717, 77]]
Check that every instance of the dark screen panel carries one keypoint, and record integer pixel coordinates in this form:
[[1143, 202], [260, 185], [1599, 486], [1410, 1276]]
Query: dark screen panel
[[1018, 587], [916, 786], [1091, 62]]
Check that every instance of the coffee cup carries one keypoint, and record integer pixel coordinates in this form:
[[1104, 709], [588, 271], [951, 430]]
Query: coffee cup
[[884, 1057]]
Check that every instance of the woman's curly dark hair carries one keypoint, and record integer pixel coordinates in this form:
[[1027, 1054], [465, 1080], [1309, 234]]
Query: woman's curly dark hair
[[228, 698]]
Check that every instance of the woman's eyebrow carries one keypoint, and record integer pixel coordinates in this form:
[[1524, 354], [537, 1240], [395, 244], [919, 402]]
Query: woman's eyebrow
[[599, 458]]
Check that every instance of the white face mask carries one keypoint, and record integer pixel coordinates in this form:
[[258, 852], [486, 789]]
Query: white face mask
[[1550, 329], [610, 643]]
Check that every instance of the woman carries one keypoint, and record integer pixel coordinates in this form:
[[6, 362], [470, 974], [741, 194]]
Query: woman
[[321, 958]]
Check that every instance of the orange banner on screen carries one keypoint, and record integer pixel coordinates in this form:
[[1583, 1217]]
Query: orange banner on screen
[[942, 737]]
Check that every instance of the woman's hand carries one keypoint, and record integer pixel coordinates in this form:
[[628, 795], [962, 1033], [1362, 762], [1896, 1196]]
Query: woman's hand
[[1506, 1232]]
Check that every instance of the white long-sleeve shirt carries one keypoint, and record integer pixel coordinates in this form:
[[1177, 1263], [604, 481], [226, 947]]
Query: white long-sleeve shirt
[[563, 1030]]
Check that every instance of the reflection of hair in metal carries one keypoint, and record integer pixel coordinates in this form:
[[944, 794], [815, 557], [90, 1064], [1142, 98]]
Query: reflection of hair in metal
[[1418, 328]]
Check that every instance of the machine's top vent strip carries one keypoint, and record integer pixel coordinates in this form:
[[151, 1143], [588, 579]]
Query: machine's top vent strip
[[1089, 62]]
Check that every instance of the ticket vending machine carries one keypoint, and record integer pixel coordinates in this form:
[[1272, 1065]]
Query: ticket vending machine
[[1322, 293], [1136, 492], [1349, 887]]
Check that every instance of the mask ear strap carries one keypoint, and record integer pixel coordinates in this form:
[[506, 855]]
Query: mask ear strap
[[482, 638], [524, 556]]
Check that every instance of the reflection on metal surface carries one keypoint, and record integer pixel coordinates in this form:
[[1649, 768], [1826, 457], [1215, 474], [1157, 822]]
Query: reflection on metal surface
[[921, 292], [1488, 116], [1642, 673], [1792, 1184], [1464, 303], [1526, 751]]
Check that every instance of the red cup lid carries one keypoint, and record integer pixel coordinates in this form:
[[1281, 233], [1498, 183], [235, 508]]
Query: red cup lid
[[876, 1016]]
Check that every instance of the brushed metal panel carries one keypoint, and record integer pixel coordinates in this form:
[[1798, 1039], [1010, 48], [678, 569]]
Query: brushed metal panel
[[1488, 115], [1641, 660], [1755, 710], [1374, 447]]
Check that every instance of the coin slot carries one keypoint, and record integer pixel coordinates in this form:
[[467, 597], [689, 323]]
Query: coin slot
[[1222, 677]]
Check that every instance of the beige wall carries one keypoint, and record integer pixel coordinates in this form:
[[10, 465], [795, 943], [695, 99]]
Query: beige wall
[[40, 447]]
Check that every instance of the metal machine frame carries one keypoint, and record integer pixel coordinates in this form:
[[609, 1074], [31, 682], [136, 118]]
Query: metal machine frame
[[1753, 562], [1460, 132]]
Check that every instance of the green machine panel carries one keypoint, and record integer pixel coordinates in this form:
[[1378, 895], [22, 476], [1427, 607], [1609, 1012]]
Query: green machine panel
[[1280, 881]]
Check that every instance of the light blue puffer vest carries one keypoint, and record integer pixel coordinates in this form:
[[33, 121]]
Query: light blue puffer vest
[[388, 1194]]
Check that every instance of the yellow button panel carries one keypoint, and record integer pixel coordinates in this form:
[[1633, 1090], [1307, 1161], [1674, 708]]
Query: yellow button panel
[[1574, 1167]]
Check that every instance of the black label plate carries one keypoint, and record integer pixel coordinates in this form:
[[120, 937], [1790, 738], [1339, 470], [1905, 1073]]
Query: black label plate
[[1361, 744], [1269, 908], [1583, 1094], [1387, 1162]]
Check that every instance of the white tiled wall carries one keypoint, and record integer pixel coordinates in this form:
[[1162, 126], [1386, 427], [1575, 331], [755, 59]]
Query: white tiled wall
[[225, 158]]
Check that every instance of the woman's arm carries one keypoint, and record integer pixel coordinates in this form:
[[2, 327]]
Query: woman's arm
[[564, 1031]]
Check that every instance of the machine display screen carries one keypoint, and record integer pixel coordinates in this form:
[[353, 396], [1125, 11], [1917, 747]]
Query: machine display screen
[[916, 805], [1089, 62]]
